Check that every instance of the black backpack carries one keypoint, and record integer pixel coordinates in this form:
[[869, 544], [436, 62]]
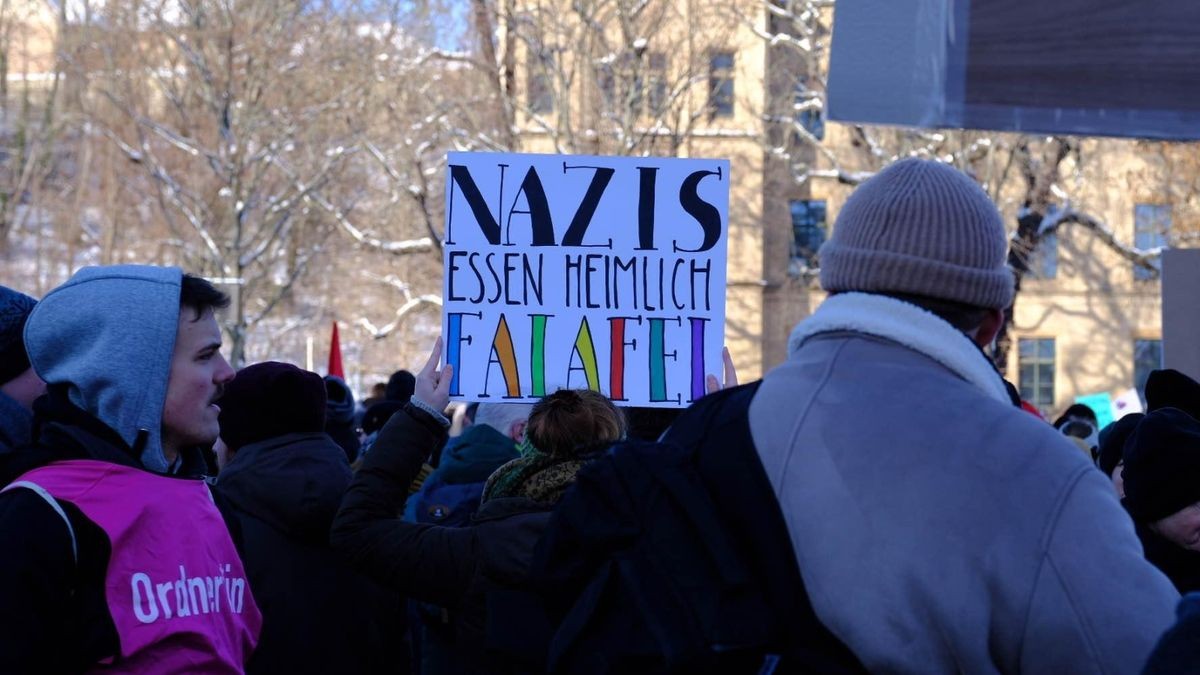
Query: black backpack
[[674, 557]]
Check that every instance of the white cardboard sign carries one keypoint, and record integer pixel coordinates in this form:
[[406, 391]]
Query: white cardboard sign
[[570, 271]]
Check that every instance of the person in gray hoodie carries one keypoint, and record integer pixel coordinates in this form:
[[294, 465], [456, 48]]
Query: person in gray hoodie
[[19, 385], [937, 527], [108, 560]]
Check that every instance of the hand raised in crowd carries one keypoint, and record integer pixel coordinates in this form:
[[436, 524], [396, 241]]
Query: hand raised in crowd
[[433, 386], [711, 385]]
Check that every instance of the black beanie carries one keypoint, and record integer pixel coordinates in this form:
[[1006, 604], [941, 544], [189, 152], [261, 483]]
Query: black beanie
[[1172, 389], [271, 399], [1112, 441], [1078, 410], [1162, 465], [14, 310], [378, 415], [400, 386]]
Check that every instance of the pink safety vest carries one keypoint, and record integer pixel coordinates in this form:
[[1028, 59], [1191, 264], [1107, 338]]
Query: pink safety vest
[[175, 585]]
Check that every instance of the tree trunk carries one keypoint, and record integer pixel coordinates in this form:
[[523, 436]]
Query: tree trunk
[[237, 327], [501, 75], [1027, 239]]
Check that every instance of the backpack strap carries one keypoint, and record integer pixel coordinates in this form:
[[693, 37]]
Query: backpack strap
[[613, 564], [719, 430], [49, 499]]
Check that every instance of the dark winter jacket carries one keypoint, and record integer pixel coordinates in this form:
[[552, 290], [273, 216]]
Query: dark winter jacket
[[455, 567], [319, 615], [15, 424], [1178, 651], [450, 496]]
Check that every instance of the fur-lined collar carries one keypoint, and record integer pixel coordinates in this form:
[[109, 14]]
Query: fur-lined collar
[[908, 325]]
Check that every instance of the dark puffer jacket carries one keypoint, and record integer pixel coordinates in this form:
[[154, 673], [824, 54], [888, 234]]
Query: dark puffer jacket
[[460, 568], [319, 614]]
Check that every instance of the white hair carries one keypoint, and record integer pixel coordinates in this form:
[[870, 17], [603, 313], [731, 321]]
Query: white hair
[[501, 416]]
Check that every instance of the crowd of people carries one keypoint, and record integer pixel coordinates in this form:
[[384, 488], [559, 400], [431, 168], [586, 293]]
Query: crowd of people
[[881, 501]]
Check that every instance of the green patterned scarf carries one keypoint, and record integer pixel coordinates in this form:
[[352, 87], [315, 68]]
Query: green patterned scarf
[[537, 476]]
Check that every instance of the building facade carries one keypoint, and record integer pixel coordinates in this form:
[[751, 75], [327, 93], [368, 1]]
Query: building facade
[[1087, 319]]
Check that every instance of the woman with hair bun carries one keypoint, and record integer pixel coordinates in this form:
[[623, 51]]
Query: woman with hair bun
[[566, 430], [459, 567]]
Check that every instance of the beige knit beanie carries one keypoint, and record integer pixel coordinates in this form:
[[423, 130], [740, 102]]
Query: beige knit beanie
[[924, 228]]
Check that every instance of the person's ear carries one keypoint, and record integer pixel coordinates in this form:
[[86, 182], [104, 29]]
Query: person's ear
[[517, 431], [993, 321]]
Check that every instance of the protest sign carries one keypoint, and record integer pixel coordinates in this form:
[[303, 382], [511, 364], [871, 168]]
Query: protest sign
[[568, 271], [1062, 67], [1181, 310], [1127, 403], [1101, 404]]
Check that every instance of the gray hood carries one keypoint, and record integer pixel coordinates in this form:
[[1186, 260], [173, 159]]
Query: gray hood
[[108, 335]]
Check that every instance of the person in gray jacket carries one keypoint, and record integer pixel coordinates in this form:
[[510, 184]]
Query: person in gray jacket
[[937, 527]]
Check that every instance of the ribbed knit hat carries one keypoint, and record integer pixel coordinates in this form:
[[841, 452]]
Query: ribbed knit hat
[[14, 309], [270, 399], [924, 228], [378, 415], [1162, 465]]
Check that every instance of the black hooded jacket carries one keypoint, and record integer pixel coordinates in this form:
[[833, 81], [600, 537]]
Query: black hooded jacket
[[319, 615]]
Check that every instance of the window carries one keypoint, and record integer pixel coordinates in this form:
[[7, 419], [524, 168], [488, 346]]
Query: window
[[1147, 356], [606, 83], [720, 84], [1035, 361], [1043, 262], [1151, 224], [808, 228], [656, 77], [539, 92], [812, 119], [633, 85]]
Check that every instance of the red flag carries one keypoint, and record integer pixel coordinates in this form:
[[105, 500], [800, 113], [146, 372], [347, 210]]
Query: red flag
[[335, 355]]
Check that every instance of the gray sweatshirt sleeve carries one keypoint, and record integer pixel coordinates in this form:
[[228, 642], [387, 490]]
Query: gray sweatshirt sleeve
[[1097, 605]]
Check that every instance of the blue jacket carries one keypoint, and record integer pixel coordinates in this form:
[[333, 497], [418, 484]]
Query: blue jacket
[[468, 459], [1178, 652]]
